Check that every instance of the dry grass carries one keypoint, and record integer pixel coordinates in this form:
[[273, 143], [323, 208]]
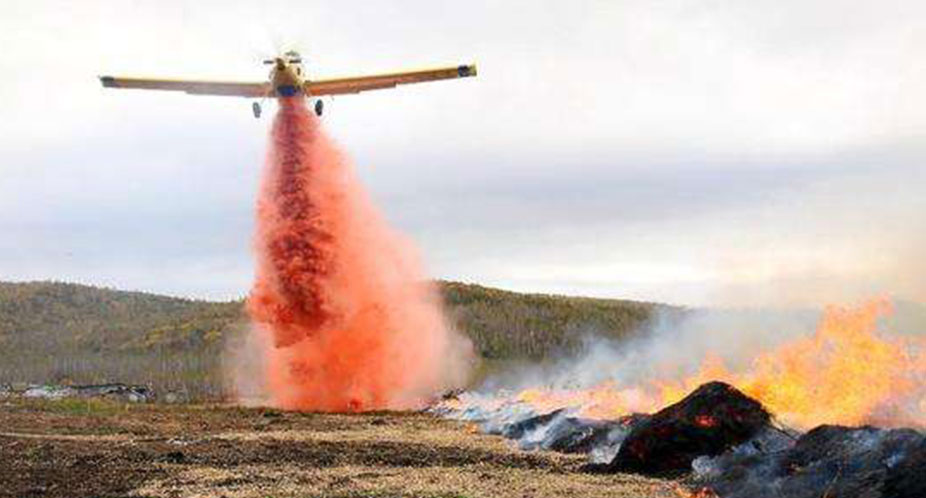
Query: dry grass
[[226, 451]]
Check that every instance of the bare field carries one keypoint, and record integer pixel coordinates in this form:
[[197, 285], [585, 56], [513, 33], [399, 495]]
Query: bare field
[[106, 449]]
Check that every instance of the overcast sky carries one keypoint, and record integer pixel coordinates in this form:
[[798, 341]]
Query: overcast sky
[[697, 152]]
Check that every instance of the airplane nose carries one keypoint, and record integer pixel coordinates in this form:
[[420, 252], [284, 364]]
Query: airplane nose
[[280, 64]]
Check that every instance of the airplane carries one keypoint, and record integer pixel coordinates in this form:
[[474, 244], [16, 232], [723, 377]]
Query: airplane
[[287, 79]]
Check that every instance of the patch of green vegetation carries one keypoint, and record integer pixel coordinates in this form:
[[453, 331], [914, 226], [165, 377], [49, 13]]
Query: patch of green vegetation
[[93, 407]]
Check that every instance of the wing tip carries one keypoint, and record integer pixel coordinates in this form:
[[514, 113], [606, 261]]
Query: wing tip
[[466, 70]]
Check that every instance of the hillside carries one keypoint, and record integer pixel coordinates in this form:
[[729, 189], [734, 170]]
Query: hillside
[[59, 315], [504, 324], [54, 332]]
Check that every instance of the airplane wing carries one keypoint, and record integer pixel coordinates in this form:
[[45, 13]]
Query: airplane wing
[[234, 89], [363, 83]]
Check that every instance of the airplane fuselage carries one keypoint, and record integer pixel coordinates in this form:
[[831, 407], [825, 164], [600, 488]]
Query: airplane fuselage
[[287, 79]]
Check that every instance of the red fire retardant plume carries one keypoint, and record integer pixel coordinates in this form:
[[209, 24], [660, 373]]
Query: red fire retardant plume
[[352, 322]]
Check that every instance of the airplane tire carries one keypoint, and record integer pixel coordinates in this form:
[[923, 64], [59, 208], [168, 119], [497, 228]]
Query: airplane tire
[[319, 107]]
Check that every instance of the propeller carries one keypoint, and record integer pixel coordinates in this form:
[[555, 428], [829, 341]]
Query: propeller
[[290, 56]]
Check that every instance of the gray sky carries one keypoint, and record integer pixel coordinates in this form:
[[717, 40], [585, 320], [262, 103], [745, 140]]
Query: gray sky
[[721, 152]]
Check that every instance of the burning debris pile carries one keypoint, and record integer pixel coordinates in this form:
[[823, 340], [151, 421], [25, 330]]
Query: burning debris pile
[[709, 421], [729, 441], [728, 445]]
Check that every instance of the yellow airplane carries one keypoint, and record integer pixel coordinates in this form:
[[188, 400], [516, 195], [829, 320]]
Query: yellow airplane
[[288, 80]]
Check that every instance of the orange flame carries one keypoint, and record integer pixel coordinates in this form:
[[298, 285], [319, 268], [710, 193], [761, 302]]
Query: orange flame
[[683, 492], [705, 421], [845, 373]]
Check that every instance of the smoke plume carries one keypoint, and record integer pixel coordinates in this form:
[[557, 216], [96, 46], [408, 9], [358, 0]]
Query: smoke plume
[[349, 320]]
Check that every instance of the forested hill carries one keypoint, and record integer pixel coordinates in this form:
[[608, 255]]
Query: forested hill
[[504, 324], [53, 317]]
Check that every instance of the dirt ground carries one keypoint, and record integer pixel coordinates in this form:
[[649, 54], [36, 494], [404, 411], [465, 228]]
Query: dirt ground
[[105, 449]]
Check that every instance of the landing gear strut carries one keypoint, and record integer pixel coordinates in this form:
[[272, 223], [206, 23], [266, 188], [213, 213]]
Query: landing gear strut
[[319, 107], [256, 108]]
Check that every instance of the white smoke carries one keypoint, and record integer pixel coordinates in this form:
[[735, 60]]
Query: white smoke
[[244, 365], [672, 346]]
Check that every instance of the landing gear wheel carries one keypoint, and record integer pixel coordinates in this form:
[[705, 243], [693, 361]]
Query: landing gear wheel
[[256, 108], [319, 107]]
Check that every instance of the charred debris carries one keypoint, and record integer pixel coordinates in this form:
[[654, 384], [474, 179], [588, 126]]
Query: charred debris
[[723, 443]]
